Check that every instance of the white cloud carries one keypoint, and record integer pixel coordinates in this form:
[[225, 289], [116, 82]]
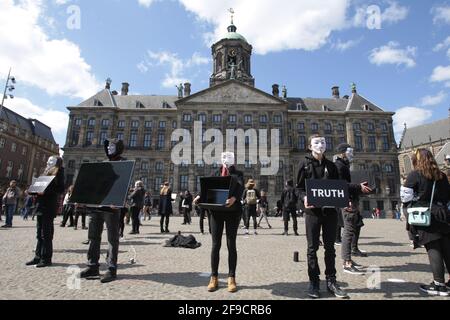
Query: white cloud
[[434, 100], [55, 66], [147, 3], [392, 14], [272, 27], [392, 54], [343, 46], [57, 120], [442, 45], [412, 116], [440, 74], [177, 66], [441, 14]]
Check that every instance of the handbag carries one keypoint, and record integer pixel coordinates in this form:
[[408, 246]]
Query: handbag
[[421, 216]]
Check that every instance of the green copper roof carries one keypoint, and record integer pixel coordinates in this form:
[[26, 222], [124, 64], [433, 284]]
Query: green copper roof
[[234, 36]]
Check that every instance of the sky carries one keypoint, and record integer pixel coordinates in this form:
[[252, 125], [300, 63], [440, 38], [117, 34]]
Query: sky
[[61, 51]]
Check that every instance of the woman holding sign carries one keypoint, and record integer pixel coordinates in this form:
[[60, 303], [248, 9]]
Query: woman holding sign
[[46, 205], [316, 166]]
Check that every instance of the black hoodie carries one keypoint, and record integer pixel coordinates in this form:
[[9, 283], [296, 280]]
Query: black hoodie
[[117, 156], [343, 167]]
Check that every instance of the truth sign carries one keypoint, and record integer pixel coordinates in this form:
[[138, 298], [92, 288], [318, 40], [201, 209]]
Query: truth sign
[[327, 193]]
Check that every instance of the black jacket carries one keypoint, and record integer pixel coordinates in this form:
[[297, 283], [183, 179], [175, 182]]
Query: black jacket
[[440, 215], [165, 204], [289, 198], [47, 204], [343, 167], [311, 168], [137, 197]]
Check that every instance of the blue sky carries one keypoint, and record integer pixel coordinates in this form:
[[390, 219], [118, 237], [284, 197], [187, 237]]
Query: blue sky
[[61, 51]]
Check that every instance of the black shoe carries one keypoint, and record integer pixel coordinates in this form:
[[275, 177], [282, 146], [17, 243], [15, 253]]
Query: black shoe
[[270, 227], [70, 226], [32, 262], [434, 290], [358, 253], [43, 264], [86, 241], [284, 233], [184, 223], [75, 228], [162, 230], [61, 225], [314, 290], [90, 273], [296, 233], [84, 228], [132, 232], [352, 270], [448, 285], [334, 288], [357, 265], [167, 230], [109, 276]]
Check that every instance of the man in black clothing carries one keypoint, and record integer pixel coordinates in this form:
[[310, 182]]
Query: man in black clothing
[[351, 214], [289, 201], [109, 215], [316, 166]]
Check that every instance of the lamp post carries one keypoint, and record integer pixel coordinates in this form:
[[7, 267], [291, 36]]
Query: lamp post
[[9, 88]]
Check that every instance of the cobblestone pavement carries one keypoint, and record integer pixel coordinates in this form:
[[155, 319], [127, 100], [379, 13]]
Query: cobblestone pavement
[[266, 269]]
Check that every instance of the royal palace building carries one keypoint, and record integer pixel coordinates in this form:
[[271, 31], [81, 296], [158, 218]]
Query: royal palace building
[[146, 122]]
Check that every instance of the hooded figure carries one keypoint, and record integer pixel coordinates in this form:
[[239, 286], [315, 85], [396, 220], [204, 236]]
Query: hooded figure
[[114, 149]]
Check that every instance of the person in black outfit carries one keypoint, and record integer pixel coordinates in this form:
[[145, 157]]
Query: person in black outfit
[[186, 206], [165, 206], [98, 217], [80, 211], [46, 206], [68, 209], [147, 210], [351, 214], [203, 214], [136, 205], [279, 208], [231, 222], [316, 166], [418, 192], [289, 200]]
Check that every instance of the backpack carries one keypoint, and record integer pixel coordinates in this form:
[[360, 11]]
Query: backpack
[[291, 199], [251, 197]]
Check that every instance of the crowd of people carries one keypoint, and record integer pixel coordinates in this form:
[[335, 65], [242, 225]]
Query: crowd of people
[[425, 190]]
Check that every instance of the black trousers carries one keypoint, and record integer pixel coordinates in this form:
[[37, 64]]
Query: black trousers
[[135, 218], [351, 229], [44, 235], [186, 215], [217, 222], [123, 213], [327, 223], [165, 217], [98, 218], [251, 212], [287, 214], [68, 215], [439, 254], [203, 214], [83, 218]]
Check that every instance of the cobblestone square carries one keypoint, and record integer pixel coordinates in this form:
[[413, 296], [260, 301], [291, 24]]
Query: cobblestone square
[[266, 269]]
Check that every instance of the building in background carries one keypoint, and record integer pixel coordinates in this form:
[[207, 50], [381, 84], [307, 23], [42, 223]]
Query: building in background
[[145, 123], [25, 145], [434, 136]]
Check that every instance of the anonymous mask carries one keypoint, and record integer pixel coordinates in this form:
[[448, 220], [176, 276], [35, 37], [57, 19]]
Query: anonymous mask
[[228, 159], [349, 154], [51, 162], [111, 148], [318, 145]]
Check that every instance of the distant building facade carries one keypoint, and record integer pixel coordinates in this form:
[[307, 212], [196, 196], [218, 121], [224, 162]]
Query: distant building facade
[[145, 123], [25, 146]]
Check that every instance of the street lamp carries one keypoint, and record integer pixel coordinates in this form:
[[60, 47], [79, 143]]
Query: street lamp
[[10, 89]]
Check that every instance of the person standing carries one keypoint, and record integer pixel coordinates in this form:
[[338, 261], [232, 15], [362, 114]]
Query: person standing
[[427, 186], [165, 206], [264, 209], [46, 207], [289, 199], [98, 217], [316, 166], [251, 196], [136, 204], [229, 220], [147, 210], [186, 206], [27, 205], [180, 203], [68, 209], [10, 202], [1, 204], [351, 214]]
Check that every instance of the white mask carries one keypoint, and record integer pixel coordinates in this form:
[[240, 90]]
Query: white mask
[[51, 162], [349, 154], [318, 145], [111, 149], [228, 159]]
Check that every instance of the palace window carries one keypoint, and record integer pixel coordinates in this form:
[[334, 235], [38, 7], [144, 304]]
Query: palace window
[[91, 122], [148, 124], [133, 139], [147, 140], [217, 118], [184, 182], [202, 117], [263, 118], [134, 123], [121, 124], [372, 143], [105, 123]]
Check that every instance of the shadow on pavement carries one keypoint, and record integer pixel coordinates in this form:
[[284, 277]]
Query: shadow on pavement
[[387, 244], [394, 254]]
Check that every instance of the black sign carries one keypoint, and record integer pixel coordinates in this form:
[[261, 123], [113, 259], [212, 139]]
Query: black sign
[[327, 193], [103, 184], [40, 184], [215, 192]]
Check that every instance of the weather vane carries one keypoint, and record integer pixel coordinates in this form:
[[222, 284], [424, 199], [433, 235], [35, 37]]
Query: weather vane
[[231, 10]]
